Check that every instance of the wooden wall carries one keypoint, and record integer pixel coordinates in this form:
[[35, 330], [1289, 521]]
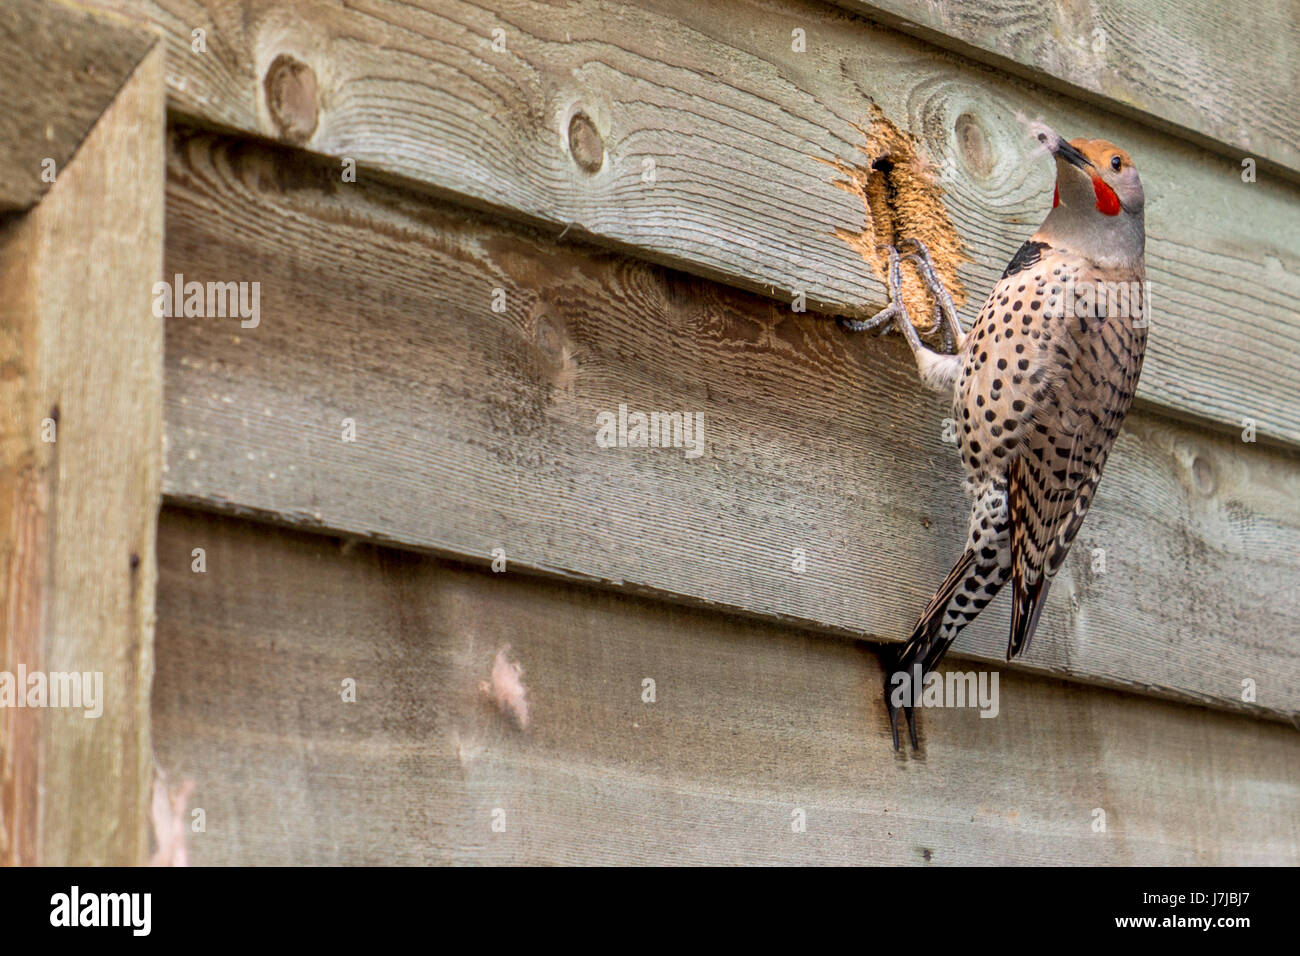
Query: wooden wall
[[740, 129], [751, 723], [558, 210], [476, 430]]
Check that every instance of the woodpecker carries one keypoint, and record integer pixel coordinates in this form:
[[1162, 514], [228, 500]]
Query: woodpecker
[[1041, 385]]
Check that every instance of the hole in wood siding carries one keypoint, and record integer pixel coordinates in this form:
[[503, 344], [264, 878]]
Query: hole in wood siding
[[901, 200], [880, 198]]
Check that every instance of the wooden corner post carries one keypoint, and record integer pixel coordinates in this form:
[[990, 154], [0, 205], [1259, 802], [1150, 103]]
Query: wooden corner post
[[80, 435]]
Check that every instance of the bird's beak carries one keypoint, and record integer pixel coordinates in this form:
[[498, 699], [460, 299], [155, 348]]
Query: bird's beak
[[1065, 151], [1060, 148]]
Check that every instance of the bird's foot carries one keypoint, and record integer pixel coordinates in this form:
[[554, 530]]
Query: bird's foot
[[891, 314], [945, 313], [894, 315]]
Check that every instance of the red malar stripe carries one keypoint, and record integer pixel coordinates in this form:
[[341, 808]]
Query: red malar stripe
[[1107, 201]]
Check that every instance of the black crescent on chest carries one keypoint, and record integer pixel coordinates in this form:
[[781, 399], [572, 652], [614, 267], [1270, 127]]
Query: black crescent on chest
[[1025, 256]]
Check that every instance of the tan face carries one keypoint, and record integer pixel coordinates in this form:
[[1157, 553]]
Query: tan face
[[1098, 210], [1097, 173]]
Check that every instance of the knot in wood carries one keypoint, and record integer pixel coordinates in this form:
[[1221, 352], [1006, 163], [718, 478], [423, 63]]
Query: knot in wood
[[1203, 475], [974, 145], [292, 98], [585, 144]]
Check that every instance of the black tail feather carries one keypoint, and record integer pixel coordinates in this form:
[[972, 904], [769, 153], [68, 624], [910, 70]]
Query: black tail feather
[[1026, 608], [919, 642], [923, 646]]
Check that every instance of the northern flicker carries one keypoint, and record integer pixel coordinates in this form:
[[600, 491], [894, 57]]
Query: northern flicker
[[1041, 384]]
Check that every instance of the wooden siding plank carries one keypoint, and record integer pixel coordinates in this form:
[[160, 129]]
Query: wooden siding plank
[[477, 429], [741, 130], [80, 476], [1228, 80], [60, 67], [750, 723]]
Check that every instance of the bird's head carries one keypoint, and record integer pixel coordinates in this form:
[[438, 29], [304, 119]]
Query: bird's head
[[1098, 207]]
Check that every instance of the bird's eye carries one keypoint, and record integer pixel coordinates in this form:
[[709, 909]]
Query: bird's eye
[[1115, 163]]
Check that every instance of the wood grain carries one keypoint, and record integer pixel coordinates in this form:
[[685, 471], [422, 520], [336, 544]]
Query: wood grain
[[477, 429], [1225, 80], [742, 130], [60, 67], [82, 355], [750, 723]]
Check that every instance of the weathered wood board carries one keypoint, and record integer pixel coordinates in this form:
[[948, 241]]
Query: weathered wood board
[[60, 67], [477, 430], [1222, 75], [750, 724], [80, 475], [710, 138]]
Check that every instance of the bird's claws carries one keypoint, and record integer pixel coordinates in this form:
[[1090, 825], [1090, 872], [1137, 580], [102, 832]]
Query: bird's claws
[[944, 311], [867, 325], [893, 312]]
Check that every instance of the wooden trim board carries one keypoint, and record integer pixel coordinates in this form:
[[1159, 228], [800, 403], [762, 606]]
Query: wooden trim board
[[60, 67], [80, 466]]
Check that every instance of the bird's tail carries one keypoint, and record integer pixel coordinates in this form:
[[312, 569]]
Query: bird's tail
[[922, 650], [920, 645], [1025, 610]]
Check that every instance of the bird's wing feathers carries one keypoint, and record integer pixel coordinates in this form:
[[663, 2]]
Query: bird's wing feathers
[[1041, 395], [1028, 594], [1092, 365]]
